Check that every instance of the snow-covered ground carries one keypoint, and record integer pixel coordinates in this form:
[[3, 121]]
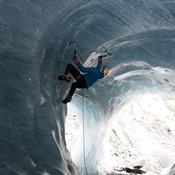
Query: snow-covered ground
[[142, 133], [72, 129]]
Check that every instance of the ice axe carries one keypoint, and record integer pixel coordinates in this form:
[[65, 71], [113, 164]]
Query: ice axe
[[106, 53], [75, 49], [74, 46]]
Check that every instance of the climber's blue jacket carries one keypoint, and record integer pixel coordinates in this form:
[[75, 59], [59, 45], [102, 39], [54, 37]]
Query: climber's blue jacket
[[91, 74]]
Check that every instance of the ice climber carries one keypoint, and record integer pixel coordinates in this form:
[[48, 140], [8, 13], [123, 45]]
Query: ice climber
[[84, 77]]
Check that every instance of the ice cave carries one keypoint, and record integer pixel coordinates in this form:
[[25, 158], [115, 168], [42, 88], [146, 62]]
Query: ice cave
[[123, 121]]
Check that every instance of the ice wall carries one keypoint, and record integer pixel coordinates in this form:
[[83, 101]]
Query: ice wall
[[34, 50], [32, 133]]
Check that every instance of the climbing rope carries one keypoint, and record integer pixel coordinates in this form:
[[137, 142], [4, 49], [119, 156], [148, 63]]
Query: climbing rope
[[84, 144]]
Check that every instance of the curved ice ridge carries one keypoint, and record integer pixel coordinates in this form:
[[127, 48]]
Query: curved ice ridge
[[136, 102]]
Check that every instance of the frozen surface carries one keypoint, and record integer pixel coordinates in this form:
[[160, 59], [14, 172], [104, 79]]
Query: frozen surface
[[129, 116]]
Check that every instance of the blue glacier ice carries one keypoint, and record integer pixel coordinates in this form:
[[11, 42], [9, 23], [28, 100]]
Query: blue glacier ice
[[135, 101]]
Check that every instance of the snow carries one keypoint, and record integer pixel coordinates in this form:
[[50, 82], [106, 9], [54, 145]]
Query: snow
[[140, 133]]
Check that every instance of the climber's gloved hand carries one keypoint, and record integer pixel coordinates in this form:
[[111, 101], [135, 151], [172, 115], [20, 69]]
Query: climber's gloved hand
[[75, 60], [100, 58]]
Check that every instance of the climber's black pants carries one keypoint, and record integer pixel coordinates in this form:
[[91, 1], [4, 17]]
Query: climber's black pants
[[80, 81]]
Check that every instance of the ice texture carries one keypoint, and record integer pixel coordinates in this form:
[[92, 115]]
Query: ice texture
[[134, 105]]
